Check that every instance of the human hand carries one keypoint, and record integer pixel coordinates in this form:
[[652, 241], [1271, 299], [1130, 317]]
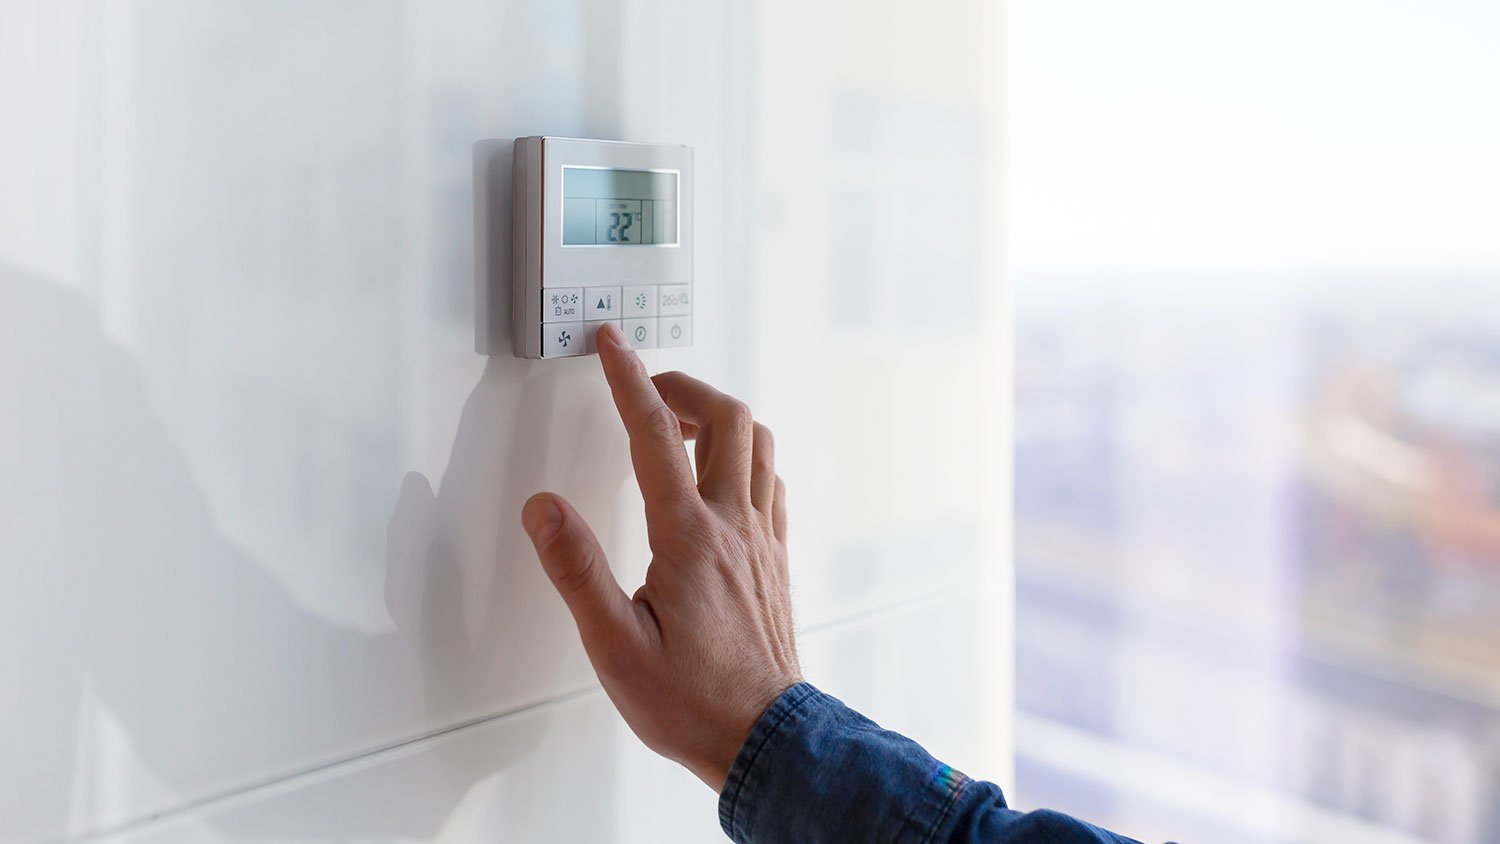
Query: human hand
[[693, 660]]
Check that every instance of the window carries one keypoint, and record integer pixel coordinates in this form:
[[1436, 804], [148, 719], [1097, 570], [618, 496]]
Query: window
[[1258, 417]]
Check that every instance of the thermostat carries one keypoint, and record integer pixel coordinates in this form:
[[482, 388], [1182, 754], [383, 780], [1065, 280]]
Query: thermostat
[[602, 232]]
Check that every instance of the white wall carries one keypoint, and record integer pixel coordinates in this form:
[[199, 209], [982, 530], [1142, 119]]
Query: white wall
[[258, 495]]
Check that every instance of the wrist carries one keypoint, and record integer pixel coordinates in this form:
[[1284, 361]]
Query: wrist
[[717, 758]]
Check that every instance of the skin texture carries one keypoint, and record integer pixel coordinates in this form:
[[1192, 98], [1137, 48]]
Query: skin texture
[[706, 644]]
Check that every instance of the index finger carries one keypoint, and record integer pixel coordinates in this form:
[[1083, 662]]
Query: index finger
[[656, 448]]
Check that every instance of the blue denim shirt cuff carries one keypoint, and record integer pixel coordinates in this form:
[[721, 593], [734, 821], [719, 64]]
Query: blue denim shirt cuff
[[813, 769], [745, 778]]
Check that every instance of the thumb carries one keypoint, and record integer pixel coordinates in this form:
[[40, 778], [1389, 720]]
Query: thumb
[[573, 560]]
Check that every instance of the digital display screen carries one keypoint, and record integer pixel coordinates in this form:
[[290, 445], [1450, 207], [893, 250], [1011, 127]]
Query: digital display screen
[[607, 207]]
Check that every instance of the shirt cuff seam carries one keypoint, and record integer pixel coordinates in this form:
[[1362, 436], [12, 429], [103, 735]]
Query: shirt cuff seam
[[956, 790], [741, 771]]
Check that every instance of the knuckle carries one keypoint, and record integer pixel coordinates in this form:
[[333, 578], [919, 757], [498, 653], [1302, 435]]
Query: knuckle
[[738, 413], [576, 577], [693, 533], [662, 420], [735, 416], [693, 540]]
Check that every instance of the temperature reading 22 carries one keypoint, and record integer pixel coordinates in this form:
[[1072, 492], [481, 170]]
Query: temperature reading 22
[[618, 231]]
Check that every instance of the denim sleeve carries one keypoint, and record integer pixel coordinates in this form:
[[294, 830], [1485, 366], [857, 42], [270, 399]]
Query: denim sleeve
[[814, 770]]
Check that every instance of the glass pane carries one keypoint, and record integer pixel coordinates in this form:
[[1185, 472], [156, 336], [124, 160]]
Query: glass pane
[[1258, 417]]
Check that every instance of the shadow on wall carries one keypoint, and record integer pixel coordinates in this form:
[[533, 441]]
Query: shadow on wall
[[432, 590], [149, 660]]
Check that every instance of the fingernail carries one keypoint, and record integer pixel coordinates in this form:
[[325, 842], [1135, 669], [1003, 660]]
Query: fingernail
[[615, 335], [541, 518]]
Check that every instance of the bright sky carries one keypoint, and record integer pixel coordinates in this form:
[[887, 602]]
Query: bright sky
[[1314, 134]]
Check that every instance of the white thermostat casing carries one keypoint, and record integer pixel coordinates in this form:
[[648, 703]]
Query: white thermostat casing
[[602, 232]]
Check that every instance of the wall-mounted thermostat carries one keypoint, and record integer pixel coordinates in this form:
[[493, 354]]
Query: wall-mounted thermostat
[[602, 232]]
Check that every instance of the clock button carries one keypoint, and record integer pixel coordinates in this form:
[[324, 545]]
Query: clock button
[[641, 333]]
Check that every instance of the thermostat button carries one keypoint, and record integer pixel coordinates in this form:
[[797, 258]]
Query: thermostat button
[[641, 333], [676, 331], [601, 303], [676, 300], [639, 302], [591, 332], [562, 304], [562, 339]]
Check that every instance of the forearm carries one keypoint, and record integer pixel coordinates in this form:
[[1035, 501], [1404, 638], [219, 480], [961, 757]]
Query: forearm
[[815, 770]]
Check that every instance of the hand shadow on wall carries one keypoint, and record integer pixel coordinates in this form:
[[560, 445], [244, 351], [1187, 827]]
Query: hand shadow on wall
[[127, 608], [463, 578]]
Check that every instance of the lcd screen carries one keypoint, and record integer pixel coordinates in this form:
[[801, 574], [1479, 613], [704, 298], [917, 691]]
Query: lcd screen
[[608, 207]]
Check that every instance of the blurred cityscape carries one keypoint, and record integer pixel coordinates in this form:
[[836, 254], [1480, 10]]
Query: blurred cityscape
[[1258, 551]]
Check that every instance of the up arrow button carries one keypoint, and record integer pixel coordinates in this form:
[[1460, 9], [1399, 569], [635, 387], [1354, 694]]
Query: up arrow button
[[603, 303]]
